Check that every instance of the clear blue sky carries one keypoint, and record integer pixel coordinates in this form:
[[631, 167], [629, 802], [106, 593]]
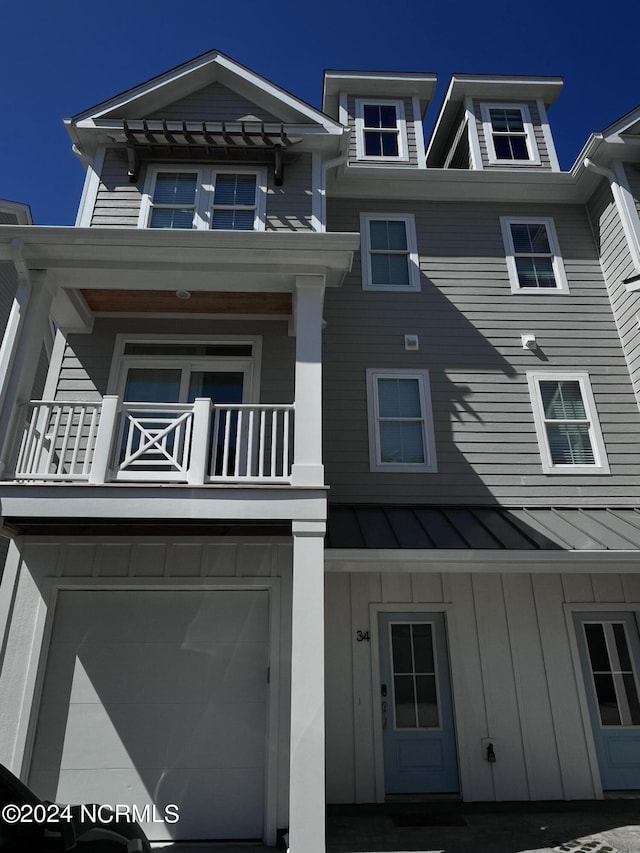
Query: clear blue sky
[[59, 58]]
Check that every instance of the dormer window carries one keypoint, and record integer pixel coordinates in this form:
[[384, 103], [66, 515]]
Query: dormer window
[[509, 135], [204, 198], [381, 130]]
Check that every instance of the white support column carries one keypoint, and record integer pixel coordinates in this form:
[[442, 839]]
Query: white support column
[[307, 758], [199, 441], [24, 338], [101, 462], [23, 606], [307, 469]]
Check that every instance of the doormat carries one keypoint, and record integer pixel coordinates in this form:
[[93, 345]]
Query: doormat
[[586, 845], [431, 819]]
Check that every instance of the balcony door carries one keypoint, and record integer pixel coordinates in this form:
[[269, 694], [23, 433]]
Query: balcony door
[[158, 383]]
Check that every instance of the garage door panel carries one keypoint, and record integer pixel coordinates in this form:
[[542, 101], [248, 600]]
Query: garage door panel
[[194, 619], [143, 736], [158, 697], [200, 796], [155, 672]]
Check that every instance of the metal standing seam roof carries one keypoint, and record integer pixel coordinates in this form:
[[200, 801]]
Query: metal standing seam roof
[[484, 528]]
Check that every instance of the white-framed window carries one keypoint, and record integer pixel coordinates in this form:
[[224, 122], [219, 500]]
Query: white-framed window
[[533, 254], [381, 130], [389, 252], [566, 421], [401, 436], [508, 131], [208, 197]]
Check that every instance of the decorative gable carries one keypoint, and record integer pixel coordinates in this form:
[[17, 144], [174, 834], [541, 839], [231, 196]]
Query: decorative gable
[[214, 102]]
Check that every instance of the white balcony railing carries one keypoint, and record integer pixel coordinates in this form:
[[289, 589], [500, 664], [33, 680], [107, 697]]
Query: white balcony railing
[[195, 443]]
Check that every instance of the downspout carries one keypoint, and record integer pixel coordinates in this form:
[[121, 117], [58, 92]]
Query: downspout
[[633, 240], [332, 164]]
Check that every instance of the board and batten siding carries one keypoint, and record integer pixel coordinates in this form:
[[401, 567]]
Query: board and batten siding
[[288, 207], [513, 673], [214, 102], [469, 325], [409, 116], [617, 265], [534, 112], [87, 359]]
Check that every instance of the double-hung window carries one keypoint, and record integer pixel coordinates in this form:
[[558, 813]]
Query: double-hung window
[[509, 135], [533, 254], [389, 252], [381, 130], [567, 427], [204, 198], [401, 436]]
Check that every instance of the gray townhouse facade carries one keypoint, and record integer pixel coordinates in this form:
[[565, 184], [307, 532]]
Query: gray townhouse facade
[[331, 492]]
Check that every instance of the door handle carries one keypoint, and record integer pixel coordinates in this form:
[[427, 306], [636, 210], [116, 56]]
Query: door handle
[[384, 715], [383, 690]]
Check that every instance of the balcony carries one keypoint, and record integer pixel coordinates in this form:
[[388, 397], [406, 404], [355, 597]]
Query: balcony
[[195, 443]]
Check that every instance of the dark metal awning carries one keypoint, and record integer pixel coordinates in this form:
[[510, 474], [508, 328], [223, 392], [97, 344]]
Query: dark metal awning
[[484, 528]]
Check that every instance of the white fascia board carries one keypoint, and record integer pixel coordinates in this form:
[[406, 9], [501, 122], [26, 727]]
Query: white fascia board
[[162, 503], [377, 84], [478, 560], [180, 74], [136, 258], [490, 87], [499, 185], [622, 125]]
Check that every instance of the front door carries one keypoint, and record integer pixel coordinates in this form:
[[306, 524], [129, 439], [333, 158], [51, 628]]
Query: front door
[[610, 656], [417, 710]]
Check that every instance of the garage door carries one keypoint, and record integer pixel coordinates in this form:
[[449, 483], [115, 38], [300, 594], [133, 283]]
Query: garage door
[[158, 698]]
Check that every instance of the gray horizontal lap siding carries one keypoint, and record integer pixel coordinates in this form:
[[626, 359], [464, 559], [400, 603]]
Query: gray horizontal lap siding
[[86, 364], [409, 118], [213, 103], [537, 129], [616, 266], [469, 326], [118, 201]]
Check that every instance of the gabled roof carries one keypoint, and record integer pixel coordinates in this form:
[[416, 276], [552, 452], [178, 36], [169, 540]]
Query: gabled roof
[[626, 126], [15, 213], [91, 127]]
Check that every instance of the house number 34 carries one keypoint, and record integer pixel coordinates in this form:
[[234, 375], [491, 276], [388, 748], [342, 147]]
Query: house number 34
[[361, 636]]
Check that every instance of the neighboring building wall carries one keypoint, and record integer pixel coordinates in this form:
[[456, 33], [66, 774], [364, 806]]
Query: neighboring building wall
[[545, 162], [469, 325], [87, 359], [617, 265], [288, 207], [409, 118], [632, 171], [510, 649]]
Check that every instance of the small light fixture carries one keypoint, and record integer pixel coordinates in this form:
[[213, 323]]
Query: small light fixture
[[411, 343], [529, 342], [183, 294]]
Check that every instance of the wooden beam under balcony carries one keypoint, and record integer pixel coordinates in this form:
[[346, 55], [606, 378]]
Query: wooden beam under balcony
[[199, 302]]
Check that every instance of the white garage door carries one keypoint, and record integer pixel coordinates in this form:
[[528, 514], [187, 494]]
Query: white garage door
[[158, 698]]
